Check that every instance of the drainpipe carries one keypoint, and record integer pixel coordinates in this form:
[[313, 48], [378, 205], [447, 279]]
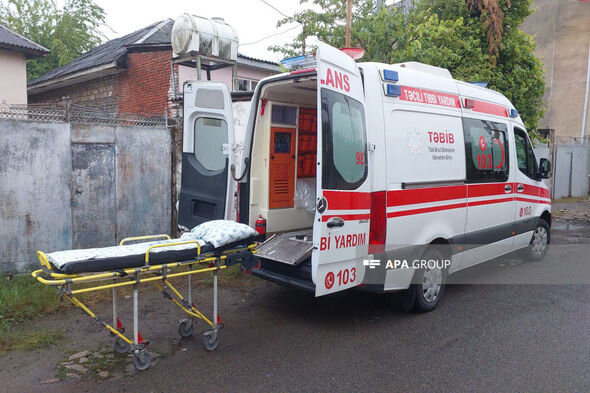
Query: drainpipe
[[586, 98]]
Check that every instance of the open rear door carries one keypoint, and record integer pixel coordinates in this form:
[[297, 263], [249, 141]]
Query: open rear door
[[207, 188], [341, 225]]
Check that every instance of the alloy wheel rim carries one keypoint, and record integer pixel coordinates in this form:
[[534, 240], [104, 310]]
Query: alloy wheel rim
[[431, 284], [539, 242]]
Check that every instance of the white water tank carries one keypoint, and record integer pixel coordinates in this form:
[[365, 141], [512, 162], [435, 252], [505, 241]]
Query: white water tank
[[210, 37]]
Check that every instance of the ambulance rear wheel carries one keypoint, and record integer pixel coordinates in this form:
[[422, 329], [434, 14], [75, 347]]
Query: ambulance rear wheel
[[539, 242], [429, 282]]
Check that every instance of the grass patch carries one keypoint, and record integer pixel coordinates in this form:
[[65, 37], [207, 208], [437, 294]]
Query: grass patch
[[28, 340], [22, 298]]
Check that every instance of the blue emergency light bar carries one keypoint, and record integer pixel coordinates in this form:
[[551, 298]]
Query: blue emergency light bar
[[303, 61], [480, 84], [393, 90], [390, 75], [513, 113]]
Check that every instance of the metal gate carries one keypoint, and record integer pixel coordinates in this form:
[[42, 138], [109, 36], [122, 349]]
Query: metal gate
[[570, 171]]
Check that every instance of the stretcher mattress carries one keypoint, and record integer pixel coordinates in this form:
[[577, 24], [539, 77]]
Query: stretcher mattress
[[133, 255]]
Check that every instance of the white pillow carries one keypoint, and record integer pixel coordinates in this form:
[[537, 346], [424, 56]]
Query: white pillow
[[222, 232]]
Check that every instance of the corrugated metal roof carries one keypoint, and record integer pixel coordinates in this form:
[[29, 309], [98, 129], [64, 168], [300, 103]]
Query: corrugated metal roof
[[254, 62], [14, 41]]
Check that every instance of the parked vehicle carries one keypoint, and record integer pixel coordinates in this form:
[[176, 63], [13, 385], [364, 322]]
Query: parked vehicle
[[353, 165]]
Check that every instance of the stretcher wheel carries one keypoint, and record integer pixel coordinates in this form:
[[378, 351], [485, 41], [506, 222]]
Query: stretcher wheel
[[121, 346], [210, 341], [142, 359], [185, 329]]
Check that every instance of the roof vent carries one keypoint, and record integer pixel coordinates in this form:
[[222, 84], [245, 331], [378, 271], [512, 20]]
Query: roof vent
[[427, 69]]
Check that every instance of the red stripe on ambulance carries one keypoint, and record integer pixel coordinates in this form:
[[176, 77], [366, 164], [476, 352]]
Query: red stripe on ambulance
[[486, 107], [345, 200]]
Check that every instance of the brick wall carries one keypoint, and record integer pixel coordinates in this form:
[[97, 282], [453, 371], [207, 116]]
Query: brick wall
[[99, 93], [145, 86]]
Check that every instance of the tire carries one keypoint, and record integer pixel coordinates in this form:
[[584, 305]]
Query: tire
[[121, 346], [539, 244], [429, 284], [142, 360], [185, 328], [211, 340]]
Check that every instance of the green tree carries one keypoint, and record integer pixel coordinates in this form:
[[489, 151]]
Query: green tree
[[476, 40], [67, 32]]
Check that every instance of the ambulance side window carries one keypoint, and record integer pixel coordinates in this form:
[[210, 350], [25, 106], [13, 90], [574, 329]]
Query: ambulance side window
[[344, 147], [525, 156], [210, 138], [486, 151]]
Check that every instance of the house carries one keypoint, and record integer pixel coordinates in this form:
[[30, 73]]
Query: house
[[132, 74], [14, 52]]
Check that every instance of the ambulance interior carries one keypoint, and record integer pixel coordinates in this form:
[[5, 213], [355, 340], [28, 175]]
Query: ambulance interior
[[283, 167]]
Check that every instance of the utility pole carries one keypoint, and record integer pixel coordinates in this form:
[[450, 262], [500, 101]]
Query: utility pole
[[377, 10], [348, 22], [303, 33]]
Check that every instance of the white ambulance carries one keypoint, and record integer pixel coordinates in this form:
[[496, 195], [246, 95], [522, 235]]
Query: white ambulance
[[361, 172]]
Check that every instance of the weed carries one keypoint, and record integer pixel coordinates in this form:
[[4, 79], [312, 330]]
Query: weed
[[29, 340], [22, 298]]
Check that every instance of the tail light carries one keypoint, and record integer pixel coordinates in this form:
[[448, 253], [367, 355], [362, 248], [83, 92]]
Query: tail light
[[378, 225]]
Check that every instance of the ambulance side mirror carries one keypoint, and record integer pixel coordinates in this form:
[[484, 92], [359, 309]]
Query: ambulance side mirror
[[544, 168]]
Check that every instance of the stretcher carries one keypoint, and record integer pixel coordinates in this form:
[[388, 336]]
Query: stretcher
[[81, 271]]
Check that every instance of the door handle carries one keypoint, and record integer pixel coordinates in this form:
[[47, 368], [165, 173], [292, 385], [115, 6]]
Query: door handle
[[507, 188], [520, 188], [335, 222]]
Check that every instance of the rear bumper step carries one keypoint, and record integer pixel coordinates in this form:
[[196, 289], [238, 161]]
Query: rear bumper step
[[307, 286], [298, 277]]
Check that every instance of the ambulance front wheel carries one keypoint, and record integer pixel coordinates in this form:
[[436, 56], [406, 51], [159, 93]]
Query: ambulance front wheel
[[539, 242], [429, 282]]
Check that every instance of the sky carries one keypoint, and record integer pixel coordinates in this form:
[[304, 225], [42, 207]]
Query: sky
[[253, 19]]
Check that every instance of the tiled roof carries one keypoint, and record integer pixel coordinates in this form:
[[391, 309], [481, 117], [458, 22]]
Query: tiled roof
[[14, 41]]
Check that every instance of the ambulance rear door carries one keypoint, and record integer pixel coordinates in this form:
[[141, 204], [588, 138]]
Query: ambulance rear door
[[343, 205], [207, 188]]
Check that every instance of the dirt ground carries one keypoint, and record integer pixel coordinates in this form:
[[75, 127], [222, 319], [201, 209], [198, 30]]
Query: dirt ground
[[278, 339]]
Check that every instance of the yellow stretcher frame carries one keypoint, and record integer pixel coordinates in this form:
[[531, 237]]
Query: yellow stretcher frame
[[159, 276]]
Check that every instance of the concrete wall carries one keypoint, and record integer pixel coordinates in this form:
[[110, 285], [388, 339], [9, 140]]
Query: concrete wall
[[13, 78], [68, 186], [562, 33]]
